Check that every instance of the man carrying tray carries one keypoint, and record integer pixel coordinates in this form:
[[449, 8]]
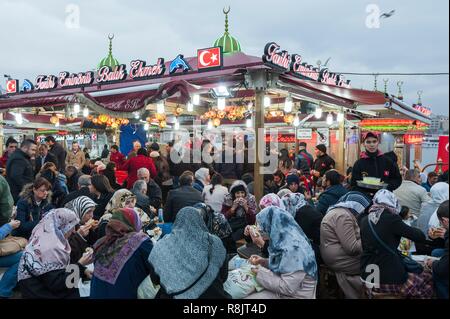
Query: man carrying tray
[[373, 163]]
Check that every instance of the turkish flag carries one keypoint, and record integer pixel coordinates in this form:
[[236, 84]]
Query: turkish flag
[[443, 152], [11, 86], [209, 58]]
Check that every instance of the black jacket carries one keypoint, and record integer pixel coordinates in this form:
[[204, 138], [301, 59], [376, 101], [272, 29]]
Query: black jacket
[[19, 172], [376, 165], [309, 220], [83, 191], [440, 267], [50, 158], [101, 205], [330, 197], [154, 194], [390, 228], [322, 164], [60, 154], [51, 285], [178, 199]]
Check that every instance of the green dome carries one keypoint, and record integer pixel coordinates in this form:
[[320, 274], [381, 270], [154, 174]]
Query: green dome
[[109, 60], [228, 43]]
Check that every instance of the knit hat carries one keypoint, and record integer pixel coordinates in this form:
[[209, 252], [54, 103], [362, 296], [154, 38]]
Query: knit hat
[[290, 179], [154, 154], [302, 144], [322, 148]]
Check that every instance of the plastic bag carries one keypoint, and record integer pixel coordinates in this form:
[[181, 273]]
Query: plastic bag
[[237, 262], [147, 290], [241, 282]]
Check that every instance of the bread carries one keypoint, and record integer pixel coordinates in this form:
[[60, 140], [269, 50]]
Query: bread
[[89, 250]]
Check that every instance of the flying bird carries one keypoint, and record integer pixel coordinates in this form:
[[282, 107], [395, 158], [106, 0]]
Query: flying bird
[[387, 15]]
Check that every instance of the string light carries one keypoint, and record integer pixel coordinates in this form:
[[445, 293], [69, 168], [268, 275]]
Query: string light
[[221, 103], [318, 112], [85, 112], [190, 107], [160, 109], [329, 119], [288, 103], [76, 108]]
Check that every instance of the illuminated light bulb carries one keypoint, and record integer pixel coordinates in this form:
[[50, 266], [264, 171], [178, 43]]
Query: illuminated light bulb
[[136, 115], [221, 103], [340, 117], [329, 119], [318, 113], [190, 107], [177, 125], [160, 107], [250, 106], [57, 124], [85, 112], [76, 108], [296, 120], [210, 125], [267, 101], [288, 105], [249, 123], [146, 126], [196, 99]]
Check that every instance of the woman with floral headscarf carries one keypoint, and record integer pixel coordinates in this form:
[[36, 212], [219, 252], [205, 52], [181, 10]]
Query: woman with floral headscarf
[[120, 258], [43, 268], [386, 223], [123, 198], [291, 269], [340, 242]]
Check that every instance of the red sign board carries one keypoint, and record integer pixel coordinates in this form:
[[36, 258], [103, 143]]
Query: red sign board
[[12, 86], [443, 151], [209, 58], [413, 139], [282, 138]]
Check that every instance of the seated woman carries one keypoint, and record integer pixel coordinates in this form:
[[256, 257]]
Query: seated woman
[[189, 263], [239, 207], [9, 280], [307, 217], [340, 242], [291, 270], [72, 175], [58, 182], [34, 201], [42, 268], [85, 235], [110, 173], [384, 221], [121, 257], [439, 193]]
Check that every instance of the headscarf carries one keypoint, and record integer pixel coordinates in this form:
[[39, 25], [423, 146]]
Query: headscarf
[[289, 248], [123, 237], [251, 201], [201, 174], [119, 199], [293, 202], [81, 205], [188, 257], [283, 192], [383, 200], [48, 249], [355, 201], [271, 200], [439, 194]]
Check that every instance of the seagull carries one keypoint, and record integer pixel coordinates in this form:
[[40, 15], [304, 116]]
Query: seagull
[[387, 15]]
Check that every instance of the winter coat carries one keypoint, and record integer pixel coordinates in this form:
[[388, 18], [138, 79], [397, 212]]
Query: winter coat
[[19, 172], [60, 153], [330, 197], [50, 158], [6, 202], [180, 198], [412, 195], [117, 158], [135, 163], [75, 159]]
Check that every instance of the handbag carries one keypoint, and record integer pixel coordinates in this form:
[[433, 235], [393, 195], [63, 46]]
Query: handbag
[[11, 245], [410, 264]]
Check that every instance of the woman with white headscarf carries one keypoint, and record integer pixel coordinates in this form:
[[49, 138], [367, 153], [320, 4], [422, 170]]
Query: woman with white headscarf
[[340, 242], [439, 194], [43, 269], [384, 222], [290, 272]]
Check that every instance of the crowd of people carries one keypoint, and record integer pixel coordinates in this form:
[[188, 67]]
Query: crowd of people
[[63, 209]]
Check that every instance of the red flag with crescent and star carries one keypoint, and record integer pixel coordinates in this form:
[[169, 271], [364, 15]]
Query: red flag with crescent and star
[[209, 58], [443, 152], [12, 86]]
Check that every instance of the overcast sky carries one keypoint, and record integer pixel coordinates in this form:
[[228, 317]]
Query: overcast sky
[[38, 36]]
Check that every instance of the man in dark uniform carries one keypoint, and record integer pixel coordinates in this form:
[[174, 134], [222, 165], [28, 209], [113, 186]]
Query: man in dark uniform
[[323, 162], [373, 163]]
